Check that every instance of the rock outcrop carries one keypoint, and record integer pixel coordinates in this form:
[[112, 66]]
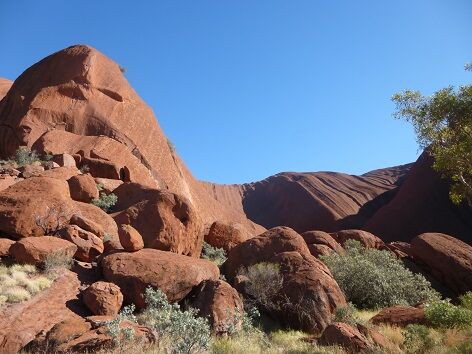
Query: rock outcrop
[[400, 316], [77, 101], [448, 259], [421, 205], [174, 274], [310, 293]]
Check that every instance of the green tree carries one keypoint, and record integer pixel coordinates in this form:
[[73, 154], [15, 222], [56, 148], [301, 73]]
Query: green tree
[[443, 125]]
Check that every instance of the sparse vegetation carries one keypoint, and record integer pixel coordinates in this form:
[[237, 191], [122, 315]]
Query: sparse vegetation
[[264, 284], [52, 219], [106, 201], [373, 278], [213, 254], [24, 156], [19, 283], [55, 262]]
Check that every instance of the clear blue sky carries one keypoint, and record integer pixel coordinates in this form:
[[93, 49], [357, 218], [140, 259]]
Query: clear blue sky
[[249, 88]]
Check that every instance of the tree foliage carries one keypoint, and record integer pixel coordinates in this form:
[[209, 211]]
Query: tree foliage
[[443, 124]]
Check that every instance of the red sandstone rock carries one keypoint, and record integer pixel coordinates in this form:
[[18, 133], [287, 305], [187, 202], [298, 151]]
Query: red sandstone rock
[[346, 336], [449, 259], [220, 303], [307, 282], [108, 185], [87, 225], [83, 188], [21, 323], [89, 246], [364, 237], [33, 170], [174, 274], [5, 85], [226, 236], [321, 243], [103, 298], [130, 238], [166, 221], [5, 245], [64, 160], [36, 250], [421, 205], [400, 316]]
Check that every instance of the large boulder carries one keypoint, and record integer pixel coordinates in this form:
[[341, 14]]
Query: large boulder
[[321, 243], [38, 250], [400, 316], [34, 207], [309, 292], [89, 245], [21, 323], [365, 238], [176, 275], [448, 259], [165, 220], [217, 301], [225, 236], [103, 298]]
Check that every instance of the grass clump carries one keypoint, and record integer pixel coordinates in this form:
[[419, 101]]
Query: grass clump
[[372, 278], [19, 283], [106, 201], [213, 254]]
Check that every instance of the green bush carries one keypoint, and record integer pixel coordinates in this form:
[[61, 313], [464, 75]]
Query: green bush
[[466, 300], [183, 330], [418, 339], [373, 278], [106, 201], [346, 314], [213, 254], [443, 314], [24, 156]]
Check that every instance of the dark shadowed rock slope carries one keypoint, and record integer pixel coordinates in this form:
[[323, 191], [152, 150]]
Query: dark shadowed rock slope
[[326, 201]]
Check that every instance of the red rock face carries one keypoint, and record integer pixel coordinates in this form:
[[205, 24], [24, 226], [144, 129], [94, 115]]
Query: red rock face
[[421, 205], [346, 336], [325, 201], [448, 259], [5, 85], [77, 101]]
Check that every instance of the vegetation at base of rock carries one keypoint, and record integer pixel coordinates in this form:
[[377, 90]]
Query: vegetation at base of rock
[[24, 156], [213, 254], [443, 314], [443, 123], [372, 278], [54, 262], [106, 201], [346, 314], [264, 284], [20, 282]]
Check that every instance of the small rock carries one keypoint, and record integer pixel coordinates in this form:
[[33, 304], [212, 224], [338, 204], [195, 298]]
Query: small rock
[[64, 160], [83, 188], [344, 335], [5, 245], [89, 246]]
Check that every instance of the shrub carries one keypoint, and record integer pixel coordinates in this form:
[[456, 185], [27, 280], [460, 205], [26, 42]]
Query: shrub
[[466, 300], [24, 156], [373, 278], [106, 201], [264, 284], [446, 315], [214, 254], [186, 333], [55, 262], [122, 335], [418, 339], [346, 314]]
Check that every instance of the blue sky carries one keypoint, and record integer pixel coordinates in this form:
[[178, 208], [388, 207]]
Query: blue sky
[[249, 88]]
